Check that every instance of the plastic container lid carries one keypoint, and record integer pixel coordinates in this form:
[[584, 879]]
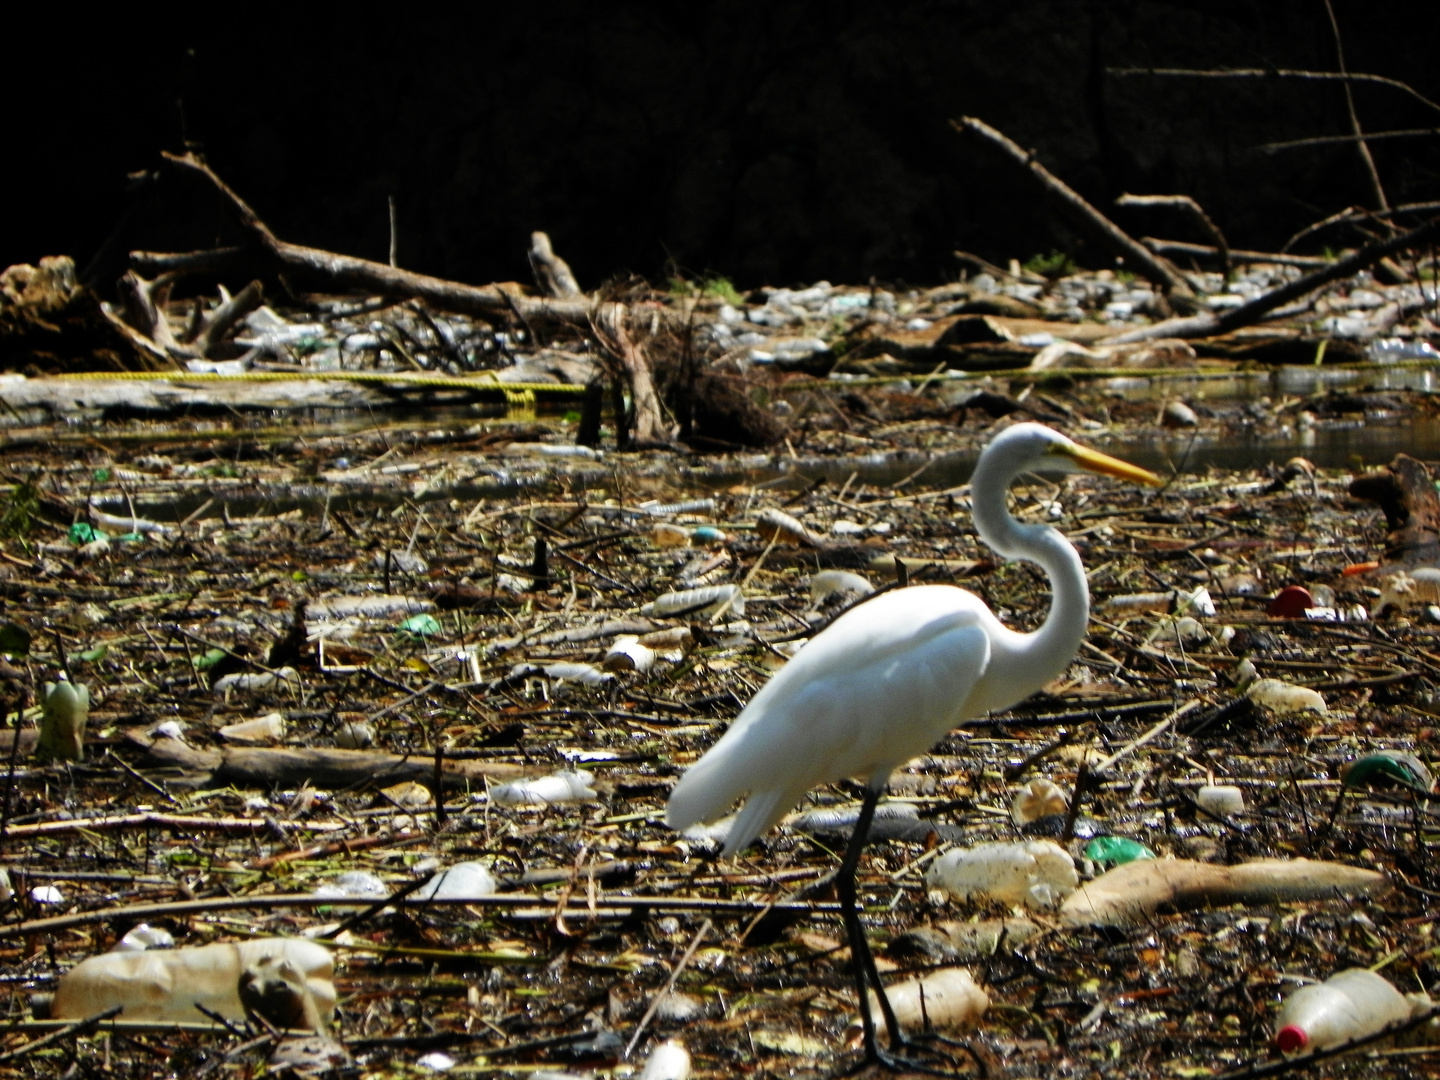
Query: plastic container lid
[[1291, 1038]]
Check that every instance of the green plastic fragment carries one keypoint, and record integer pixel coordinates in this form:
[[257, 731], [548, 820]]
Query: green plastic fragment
[[92, 656], [210, 659], [1114, 850], [101, 475], [82, 532], [131, 538], [1391, 765], [420, 625]]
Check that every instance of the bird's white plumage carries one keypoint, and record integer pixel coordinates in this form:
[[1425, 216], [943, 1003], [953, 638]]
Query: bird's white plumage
[[914, 653], [890, 677]]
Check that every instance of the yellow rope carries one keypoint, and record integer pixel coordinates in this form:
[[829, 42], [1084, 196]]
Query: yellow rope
[[520, 392]]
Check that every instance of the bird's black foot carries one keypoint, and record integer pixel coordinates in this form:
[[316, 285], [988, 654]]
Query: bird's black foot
[[924, 1054]]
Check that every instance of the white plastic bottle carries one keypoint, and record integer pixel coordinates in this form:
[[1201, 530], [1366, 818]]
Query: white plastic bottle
[[1346, 1006]]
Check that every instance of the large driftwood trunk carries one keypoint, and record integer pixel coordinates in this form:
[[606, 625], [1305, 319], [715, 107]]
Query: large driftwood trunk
[[259, 767]]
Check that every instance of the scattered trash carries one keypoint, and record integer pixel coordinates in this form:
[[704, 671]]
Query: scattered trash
[[401, 562], [586, 674], [143, 936], [668, 1061], [1291, 602], [353, 885], [1388, 765], [1283, 697], [62, 727], [707, 602], [1404, 590], [1040, 798], [670, 536], [1349, 1005], [843, 818], [463, 881], [828, 583], [562, 787], [165, 985], [779, 527], [1038, 874], [945, 1000], [267, 728], [627, 654], [354, 735], [253, 681], [953, 941], [1108, 851], [367, 607], [1223, 800]]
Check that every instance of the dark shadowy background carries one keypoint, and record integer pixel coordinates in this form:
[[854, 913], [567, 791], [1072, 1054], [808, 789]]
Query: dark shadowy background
[[774, 143]]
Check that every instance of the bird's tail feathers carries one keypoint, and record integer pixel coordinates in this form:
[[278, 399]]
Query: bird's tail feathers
[[761, 810], [699, 796]]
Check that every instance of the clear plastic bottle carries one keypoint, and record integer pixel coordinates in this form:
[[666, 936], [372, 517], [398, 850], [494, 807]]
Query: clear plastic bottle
[[1349, 1005]]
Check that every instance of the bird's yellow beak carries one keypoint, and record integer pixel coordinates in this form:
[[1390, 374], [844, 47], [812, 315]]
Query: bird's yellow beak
[[1096, 462]]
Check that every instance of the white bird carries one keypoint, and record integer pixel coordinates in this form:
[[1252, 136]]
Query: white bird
[[893, 675]]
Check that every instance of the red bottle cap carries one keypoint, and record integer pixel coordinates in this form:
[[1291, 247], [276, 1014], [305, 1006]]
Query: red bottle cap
[[1290, 603], [1291, 1038]]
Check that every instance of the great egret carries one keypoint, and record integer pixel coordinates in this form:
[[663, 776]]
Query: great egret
[[891, 676]]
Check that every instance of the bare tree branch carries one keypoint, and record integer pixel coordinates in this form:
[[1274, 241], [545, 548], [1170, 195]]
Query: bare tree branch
[[1277, 73], [1361, 146], [1144, 261], [1208, 323], [1191, 207]]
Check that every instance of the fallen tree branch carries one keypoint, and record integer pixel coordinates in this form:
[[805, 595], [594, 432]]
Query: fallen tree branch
[[1208, 323], [214, 325], [145, 310], [1189, 206], [283, 767], [619, 907], [377, 278], [552, 273], [1179, 247], [647, 427], [1145, 262]]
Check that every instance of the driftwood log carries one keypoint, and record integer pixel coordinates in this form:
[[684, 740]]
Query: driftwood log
[[375, 278], [145, 310], [564, 302], [260, 767], [1208, 323], [1405, 491]]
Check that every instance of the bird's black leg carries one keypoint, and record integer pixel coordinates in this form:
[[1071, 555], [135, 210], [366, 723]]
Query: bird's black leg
[[862, 960]]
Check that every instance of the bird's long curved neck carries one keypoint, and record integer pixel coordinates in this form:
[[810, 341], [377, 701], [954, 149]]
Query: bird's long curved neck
[[1023, 663]]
